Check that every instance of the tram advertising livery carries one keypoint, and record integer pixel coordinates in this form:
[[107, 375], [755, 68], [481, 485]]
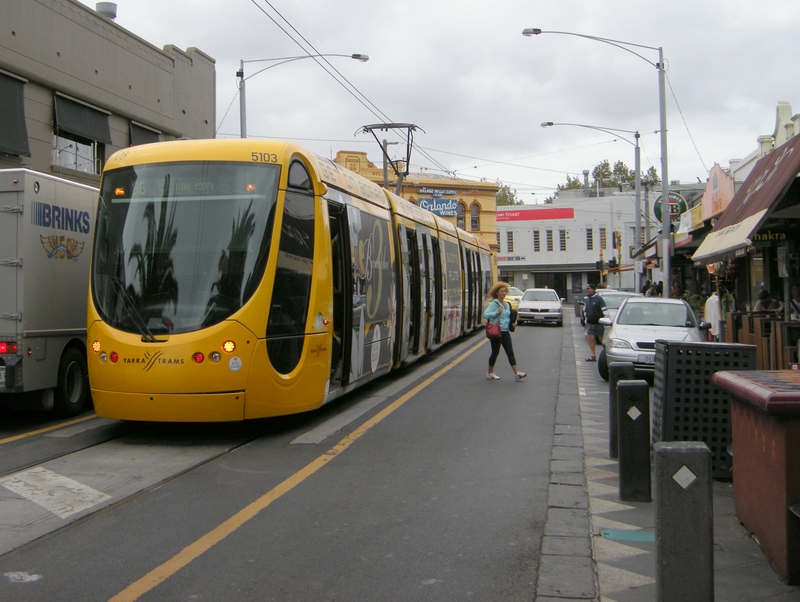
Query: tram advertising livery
[[238, 279]]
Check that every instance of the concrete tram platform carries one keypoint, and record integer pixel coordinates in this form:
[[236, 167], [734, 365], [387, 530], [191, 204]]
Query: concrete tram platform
[[596, 547]]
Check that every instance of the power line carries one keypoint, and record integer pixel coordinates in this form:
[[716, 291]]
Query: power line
[[686, 125], [350, 88]]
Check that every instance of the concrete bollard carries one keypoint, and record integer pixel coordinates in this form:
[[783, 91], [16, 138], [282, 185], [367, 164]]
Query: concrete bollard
[[617, 371], [684, 522], [633, 418]]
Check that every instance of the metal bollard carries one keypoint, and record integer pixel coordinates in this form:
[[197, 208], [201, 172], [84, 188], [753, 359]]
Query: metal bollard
[[633, 418], [617, 371], [684, 522]]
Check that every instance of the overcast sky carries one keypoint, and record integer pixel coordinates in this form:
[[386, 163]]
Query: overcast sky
[[462, 71]]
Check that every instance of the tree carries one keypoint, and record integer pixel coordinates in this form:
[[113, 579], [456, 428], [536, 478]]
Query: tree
[[622, 175], [572, 184], [506, 196], [651, 177], [603, 175]]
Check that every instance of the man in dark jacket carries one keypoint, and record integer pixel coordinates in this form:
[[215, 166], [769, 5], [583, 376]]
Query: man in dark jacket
[[594, 308]]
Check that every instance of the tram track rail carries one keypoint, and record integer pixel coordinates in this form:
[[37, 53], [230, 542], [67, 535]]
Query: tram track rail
[[131, 497]]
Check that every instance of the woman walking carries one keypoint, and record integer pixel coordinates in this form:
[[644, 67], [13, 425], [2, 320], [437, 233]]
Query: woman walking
[[500, 311]]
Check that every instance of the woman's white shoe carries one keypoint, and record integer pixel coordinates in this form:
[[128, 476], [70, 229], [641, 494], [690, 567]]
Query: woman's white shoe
[[492, 376]]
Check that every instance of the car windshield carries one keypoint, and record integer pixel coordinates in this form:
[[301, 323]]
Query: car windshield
[[614, 301], [514, 292], [540, 296], [655, 314]]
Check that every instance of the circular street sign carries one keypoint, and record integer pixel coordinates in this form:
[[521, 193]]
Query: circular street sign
[[677, 207]]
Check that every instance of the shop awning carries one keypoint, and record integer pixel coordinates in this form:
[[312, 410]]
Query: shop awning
[[141, 134], [13, 131], [646, 246], [761, 191], [81, 119]]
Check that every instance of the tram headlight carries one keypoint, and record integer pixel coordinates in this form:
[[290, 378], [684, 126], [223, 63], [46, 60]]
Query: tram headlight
[[229, 346], [103, 356], [95, 346], [215, 356]]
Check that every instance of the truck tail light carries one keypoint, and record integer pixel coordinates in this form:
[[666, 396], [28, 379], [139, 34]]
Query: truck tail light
[[8, 347]]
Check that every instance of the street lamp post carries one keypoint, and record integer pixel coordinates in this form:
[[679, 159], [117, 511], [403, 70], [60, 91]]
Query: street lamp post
[[637, 179], [276, 61], [666, 251]]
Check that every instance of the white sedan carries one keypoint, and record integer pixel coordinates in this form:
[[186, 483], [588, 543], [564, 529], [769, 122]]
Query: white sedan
[[641, 321], [541, 305]]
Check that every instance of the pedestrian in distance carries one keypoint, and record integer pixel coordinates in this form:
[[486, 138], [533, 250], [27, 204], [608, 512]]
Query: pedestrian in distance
[[499, 310], [794, 303], [765, 301], [594, 308]]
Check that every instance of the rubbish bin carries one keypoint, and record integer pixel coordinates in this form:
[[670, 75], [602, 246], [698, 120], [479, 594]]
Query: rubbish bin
[[765, 418], [686, 406]]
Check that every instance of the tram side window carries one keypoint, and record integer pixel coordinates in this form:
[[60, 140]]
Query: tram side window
[[292, 288]]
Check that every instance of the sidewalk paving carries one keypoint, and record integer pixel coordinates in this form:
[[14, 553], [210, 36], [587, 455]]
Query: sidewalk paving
[[598, 548]]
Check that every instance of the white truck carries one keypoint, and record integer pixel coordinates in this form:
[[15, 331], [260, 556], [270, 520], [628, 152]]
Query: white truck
[[46, 231]]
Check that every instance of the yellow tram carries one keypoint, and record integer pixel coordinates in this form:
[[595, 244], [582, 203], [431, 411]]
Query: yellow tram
[[238, 279]]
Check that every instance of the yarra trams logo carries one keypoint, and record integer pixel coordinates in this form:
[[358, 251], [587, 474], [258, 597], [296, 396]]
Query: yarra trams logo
[[152, 359]]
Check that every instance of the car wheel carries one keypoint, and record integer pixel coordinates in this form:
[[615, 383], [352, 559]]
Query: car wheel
[[602, 365]]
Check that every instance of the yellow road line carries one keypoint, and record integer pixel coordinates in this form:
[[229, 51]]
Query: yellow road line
[[202, 545], [47, 430]]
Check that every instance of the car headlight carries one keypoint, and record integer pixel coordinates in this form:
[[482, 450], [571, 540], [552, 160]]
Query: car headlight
[[619, 344]]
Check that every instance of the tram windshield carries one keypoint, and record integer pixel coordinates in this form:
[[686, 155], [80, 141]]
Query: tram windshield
[[181, 246]]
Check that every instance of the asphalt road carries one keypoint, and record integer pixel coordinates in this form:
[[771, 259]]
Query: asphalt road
[[429, 485]]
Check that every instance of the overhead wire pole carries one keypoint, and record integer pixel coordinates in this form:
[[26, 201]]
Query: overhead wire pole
[[666, 218], [410, 129], [637, 178]]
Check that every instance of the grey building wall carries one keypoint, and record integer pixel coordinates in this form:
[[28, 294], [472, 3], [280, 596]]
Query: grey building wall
[[66, 47]]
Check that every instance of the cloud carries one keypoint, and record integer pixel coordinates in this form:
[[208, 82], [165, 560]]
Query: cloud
[[463, 72]]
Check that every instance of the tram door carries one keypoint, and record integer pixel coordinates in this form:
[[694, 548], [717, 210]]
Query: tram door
[[469, 288], [413, 303], [437, 292], [430, 300], [341, 340], [405, 309]]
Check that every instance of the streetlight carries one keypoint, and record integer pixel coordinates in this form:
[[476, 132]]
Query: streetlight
[[637, 178], [662, 109], [280, 61]]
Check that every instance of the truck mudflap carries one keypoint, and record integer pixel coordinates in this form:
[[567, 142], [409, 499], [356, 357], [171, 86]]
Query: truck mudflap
[[11, 376]]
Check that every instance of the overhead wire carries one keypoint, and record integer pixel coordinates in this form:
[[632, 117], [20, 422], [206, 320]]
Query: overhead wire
[[362, 99], [349, 87], [686, 125]]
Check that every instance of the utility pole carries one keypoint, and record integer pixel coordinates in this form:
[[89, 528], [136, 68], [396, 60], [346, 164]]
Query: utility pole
[[386, 143]]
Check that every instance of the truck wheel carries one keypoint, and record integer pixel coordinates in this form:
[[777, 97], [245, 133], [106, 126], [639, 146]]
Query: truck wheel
[[72, 389]]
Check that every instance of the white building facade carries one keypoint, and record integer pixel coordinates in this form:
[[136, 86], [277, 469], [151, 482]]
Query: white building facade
[[559, 245]]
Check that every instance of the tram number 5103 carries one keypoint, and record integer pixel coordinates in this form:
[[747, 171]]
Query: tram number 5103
[[264, 157]]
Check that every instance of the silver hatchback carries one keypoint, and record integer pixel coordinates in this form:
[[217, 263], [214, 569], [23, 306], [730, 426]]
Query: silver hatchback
[[641, 321]]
